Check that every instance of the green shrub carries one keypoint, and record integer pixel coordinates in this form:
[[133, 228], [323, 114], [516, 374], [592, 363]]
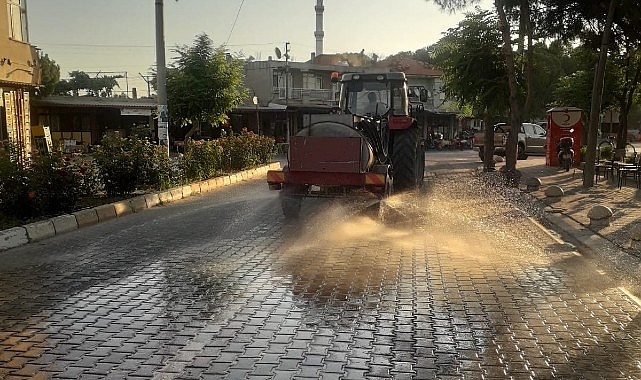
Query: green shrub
[[606, 152], [129, 164], [50, 184], [14, 193], [201, 160], [245, 150], [54, 184]]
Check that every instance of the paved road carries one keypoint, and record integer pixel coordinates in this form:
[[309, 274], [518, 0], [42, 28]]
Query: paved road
[[465, 285]]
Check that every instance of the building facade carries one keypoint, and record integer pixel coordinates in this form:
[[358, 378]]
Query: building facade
[[19, 76], [81, 121]]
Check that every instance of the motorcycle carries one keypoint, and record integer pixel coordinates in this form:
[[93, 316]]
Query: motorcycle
[[565, 152]]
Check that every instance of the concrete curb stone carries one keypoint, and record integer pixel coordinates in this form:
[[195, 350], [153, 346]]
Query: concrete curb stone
[[152, 200], [13, 237], [40, 230], [176, 193], [166, 197], [106, 212], [64, 223], [86, 217], [138, 204], [122, 208], [186, 191]]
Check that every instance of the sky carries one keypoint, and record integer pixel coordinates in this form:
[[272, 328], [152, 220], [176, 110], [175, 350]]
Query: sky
[[112, 37]]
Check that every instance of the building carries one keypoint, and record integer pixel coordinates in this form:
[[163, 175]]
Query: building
[[19, 76], [81, 121]]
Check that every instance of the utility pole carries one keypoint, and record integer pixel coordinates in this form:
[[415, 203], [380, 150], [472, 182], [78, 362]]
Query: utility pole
[[287, 91], [146, 79], [161, 71]]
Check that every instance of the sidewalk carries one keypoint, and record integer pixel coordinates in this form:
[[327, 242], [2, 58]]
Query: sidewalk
[[610, 244]]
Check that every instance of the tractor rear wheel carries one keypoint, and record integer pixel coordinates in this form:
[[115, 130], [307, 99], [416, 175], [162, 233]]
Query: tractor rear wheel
[[291, 201], [408, 160]]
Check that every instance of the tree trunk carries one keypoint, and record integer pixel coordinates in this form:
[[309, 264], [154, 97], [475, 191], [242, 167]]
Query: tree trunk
[[597, 95], [194, 128], [626, 106], [488, 157], [512, 139], [529, 59]]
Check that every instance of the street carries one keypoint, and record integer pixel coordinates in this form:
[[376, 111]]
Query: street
[[464, 284]]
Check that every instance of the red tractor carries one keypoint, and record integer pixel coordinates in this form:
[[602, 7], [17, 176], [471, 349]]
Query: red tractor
[[370, 144]]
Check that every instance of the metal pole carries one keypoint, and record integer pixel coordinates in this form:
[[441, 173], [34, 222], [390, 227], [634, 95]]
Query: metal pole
[[287, 90], [255, 101], [161, 71], [257, 120]]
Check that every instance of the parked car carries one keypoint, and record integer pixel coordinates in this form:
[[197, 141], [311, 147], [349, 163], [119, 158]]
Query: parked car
[[531, 140]]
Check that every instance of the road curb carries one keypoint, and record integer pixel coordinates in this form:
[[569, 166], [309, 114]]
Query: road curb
[[17, 236], [13, 237]]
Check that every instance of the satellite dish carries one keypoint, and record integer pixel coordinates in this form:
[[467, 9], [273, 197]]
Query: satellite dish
[[278, 54]]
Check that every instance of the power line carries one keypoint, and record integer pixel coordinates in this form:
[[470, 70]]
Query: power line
[[95, 45], [236, 19]]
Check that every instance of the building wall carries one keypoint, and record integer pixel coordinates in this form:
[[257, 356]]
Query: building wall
[[18, 59], [19, 74]]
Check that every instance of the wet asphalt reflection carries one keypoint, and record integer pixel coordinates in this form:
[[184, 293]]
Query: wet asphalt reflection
[[456, 282]]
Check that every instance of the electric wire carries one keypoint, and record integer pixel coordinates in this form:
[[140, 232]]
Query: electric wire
[[234, 24]]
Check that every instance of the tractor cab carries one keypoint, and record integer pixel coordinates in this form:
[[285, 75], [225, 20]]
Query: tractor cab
[[374, 95]]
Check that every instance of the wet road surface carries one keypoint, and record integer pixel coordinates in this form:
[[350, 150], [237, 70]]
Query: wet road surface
[[464, 285]]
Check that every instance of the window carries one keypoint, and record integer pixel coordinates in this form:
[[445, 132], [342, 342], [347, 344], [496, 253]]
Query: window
[[17, 12], [311, 81], [539, 131]]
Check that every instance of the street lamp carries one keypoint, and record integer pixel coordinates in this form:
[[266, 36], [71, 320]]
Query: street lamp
[[255, 101]]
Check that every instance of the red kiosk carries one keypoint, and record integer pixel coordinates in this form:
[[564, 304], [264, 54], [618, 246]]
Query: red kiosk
[[563, 122]]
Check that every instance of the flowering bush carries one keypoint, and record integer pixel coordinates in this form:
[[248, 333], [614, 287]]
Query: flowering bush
[[129, 164], [54, 184], [229, 153], [201, 160], [14, 199], [48, 185], [245, 150]]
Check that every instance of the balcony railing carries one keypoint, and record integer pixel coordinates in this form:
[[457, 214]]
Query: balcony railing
[[307, 94]]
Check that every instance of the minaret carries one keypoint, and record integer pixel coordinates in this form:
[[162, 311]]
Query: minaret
[[319, 27]]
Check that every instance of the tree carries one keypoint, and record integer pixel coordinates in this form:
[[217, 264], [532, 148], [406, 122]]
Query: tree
[[602, 25], [502, 8], [81, 81], [474, 70], [49, 74], [625, 64], [563, 76], [203, 85]]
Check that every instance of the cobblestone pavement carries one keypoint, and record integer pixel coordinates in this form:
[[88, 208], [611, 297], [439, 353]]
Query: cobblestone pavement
[[221, 286]]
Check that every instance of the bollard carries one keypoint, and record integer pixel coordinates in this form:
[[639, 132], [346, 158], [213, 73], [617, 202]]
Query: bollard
[[600, 216], [635, 238], [533, 184], [554, 193]]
